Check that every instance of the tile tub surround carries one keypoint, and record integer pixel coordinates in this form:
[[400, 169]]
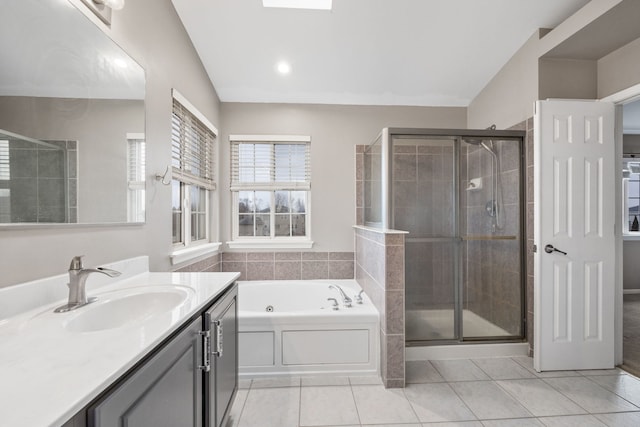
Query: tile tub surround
[[380, 272], [289, 265], [85, 364]]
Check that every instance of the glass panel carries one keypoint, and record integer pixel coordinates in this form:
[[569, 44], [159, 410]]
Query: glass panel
[[299, 201], [245, 202], [423, 205], [298, 225], [176, 205], [282, 202], [262, 200], [491, 238], [283, 226], [373, 184], [263, 225], [245, 225]]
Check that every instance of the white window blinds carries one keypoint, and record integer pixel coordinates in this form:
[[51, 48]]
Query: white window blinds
[[270, 165], [193, 145], [5, 165]]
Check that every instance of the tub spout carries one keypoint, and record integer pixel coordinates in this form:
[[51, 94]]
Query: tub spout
[[345, 298]]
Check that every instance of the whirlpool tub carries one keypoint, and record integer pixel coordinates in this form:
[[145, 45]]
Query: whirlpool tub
[[291, 328]]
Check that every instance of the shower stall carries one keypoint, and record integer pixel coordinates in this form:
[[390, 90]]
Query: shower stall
[[459, 195]]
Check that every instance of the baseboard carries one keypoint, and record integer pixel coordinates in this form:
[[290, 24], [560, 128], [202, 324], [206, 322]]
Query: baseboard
[[466, 351]]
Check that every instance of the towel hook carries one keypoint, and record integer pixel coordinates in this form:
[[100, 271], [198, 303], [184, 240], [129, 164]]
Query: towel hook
[[162, 177]]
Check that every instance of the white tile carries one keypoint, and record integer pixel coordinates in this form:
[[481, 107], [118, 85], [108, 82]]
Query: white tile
[[503, 368], [572, 421], [488, 401], [327, 405], [365, 380], [628, 419], [421, 371], [271, 407], [449, 424], [325, 380], [590, 395], [233, 419], [625, 386], [597, 372], [377, 405], [540, 398], [244, 383], [527, 362], [459, 370], [392, 425], [275, 382], [437, 402], [517, 422]]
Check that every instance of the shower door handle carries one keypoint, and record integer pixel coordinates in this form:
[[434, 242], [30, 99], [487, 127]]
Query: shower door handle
[[550, 249]]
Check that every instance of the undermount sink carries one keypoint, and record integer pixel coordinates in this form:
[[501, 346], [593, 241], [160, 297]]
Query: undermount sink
[[126, 307]]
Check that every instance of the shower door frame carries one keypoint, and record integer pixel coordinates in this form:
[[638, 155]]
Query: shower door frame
[[388, 220]]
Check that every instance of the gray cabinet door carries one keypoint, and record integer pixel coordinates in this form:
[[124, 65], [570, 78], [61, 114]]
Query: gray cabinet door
[[222, 381], [165, 391]]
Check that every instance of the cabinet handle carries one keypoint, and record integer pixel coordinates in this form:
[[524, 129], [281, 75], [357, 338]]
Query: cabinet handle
[[206, 350], [219, 334]]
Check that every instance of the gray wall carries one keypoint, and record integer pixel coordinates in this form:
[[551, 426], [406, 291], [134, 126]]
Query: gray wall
[[151, 32], [334, 131]]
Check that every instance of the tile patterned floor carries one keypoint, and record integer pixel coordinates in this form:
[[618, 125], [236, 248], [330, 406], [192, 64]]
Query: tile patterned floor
[[497, 392]]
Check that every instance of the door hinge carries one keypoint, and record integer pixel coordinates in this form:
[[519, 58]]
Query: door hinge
[[535, 249], [206, 351]]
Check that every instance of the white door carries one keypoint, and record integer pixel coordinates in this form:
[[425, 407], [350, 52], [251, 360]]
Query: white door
[[574, 213]]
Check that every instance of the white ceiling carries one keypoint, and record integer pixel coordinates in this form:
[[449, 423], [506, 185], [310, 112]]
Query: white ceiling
[[366, 52]]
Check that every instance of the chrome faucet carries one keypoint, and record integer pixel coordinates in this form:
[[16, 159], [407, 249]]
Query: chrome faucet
[[345, 298], [77, 284]]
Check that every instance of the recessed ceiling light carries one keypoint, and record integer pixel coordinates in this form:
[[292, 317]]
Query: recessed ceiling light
[[283, 67], [299, 4]]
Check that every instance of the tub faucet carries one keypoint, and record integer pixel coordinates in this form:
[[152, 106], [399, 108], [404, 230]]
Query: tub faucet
[[77, 284], [345, 298]]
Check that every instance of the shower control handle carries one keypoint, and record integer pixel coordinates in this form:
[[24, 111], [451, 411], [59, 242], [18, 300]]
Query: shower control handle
[[550, 249]]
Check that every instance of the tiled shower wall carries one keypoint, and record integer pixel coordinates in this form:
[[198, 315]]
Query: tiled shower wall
[[280, 265], [38, 189], [380, 272]]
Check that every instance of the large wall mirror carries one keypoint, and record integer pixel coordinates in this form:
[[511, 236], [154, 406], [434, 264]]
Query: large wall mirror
[[72, 145]]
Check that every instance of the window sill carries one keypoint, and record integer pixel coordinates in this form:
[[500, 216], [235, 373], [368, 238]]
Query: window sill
[[270, 244], [181, 255]]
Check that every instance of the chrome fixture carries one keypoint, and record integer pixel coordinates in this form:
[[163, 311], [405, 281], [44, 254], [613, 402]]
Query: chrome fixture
[[102, 8], [345, 298], [358, 297], [335, 305], [77, 284]]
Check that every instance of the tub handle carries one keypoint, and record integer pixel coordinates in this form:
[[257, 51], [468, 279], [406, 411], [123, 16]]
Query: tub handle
[[358, 297], [335, 305]]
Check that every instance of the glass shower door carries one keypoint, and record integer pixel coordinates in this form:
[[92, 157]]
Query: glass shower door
[[423, 188], [490, 246]]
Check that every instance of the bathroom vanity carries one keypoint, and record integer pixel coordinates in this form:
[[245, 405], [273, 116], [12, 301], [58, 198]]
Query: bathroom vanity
[[154, 349]]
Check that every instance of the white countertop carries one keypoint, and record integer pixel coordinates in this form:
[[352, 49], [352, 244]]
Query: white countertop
[[48, 374]]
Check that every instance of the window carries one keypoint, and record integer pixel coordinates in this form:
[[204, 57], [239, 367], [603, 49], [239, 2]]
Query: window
[[271, 183], [135, 177], [193, 148]]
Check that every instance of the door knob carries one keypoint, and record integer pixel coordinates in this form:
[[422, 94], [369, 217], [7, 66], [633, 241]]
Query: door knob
[[550, 249]]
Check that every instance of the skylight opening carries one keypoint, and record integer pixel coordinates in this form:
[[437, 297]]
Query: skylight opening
[[299, 4]]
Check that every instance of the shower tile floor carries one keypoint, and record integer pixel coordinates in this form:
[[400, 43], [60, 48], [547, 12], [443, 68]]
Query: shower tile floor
[[439, 324], [496, 392]]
